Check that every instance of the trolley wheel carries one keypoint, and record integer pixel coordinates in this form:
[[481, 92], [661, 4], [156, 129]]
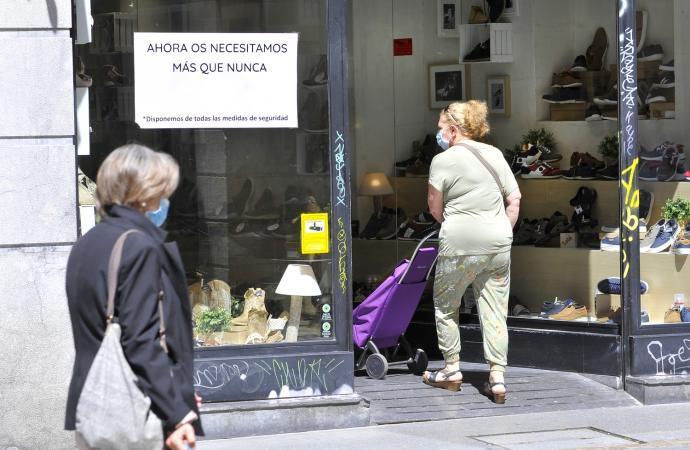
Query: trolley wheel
[[419, 362], [376, 366]]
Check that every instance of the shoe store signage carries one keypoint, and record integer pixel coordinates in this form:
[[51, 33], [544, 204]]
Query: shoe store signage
[[314, 234], [215, 80]]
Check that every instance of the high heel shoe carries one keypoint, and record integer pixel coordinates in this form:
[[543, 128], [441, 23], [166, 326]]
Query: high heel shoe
[[440, 379], [498, 398]]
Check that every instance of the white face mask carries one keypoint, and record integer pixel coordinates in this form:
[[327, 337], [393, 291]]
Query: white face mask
[[441, 140]]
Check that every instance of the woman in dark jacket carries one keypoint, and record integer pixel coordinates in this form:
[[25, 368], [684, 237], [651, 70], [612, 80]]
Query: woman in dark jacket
[[134, 184]]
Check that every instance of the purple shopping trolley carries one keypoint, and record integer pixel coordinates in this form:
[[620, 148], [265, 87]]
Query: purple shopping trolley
[[380, 321]]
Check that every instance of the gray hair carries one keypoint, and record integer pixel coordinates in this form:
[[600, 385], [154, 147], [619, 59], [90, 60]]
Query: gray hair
[[134, 174]]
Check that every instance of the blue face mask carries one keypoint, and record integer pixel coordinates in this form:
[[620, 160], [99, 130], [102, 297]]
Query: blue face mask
[[442, 142], [158, 216]]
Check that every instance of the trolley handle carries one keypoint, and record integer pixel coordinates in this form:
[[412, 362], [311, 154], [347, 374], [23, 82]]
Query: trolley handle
[[416, 250]]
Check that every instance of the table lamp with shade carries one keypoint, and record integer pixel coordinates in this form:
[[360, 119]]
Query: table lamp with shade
[[298, 281], [376, 184]]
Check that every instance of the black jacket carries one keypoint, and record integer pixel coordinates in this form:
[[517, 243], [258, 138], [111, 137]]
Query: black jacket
[[148, 265]]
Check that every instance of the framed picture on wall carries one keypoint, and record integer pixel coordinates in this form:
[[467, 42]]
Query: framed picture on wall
[[448, 18], [448, 84], [498, 94]]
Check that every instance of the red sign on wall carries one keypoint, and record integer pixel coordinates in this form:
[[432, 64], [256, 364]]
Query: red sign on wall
[[402, 47]]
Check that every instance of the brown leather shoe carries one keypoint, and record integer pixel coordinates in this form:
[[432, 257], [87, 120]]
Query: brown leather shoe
[[565, 79]]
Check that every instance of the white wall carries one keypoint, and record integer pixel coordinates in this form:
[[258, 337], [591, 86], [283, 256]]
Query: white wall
[[391, 105]]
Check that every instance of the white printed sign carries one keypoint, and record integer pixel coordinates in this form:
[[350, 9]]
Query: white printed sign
[[215, 80]]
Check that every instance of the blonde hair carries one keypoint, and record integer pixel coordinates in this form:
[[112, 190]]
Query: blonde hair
[[134, 174], [470, 116]]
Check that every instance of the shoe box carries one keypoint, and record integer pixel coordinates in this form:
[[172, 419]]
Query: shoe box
[[662, 110], [567, 111]]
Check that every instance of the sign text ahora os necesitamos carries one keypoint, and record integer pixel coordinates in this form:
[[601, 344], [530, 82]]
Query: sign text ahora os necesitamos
[[215, 47]]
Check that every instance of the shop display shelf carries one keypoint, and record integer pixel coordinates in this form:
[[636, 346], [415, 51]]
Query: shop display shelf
[[500, 36]]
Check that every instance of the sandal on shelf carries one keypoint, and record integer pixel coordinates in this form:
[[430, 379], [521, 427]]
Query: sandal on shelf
[[440, 379], [489, 390]]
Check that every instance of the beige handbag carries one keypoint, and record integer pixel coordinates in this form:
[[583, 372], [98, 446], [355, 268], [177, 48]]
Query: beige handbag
[[112, 412]]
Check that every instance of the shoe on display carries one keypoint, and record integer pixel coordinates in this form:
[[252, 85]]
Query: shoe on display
[[414, 231], [520, 310], [580, 64], [571, 312], [611, 172], [477, 15], [565, 80], [495, 9], [556, 225], [666, 235], [682, 244], [656, 154], [593, 113], [376, 222], [541, 170], [596, 52], [566, 95], [652, 52], [672, 316], [524, 233], [391, 228], [611, 242], [670, 163], [239, 203], [554, 307], [581, 171], [668, 66], [614, 229], [608, 99], [649, 170], [641, 28], [113, 76], [529, 155], [583, 203], [536, 152], [612, 286], [424, 217], [81, 79], [319, 73], [481, 52], [617, 315], [655, 95], [664, 80], [587, 159]]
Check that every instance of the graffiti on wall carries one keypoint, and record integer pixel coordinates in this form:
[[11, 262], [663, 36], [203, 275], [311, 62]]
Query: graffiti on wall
[[628, 100], [673, 363], [341, 200], [276, 378]]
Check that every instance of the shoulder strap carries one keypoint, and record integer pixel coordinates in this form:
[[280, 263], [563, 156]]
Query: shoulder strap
[[113, 268], [486, 164]]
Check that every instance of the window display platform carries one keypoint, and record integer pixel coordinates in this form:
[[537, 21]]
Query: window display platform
[[583, 347]]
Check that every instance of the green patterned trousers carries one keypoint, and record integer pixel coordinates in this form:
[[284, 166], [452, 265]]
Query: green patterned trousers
[[490, 279]]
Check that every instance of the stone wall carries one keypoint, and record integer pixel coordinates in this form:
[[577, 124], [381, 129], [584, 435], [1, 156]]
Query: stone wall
[[39, 223]]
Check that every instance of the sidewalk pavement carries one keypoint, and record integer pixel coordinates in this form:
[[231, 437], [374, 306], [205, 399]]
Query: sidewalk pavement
[[659, 426]]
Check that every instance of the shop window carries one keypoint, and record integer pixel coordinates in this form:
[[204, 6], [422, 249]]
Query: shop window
[[237, 213]]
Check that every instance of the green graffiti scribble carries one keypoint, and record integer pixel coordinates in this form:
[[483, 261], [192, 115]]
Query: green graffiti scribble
[[342, 255]]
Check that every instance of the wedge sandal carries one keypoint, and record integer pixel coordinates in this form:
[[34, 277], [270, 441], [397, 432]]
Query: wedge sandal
[[499, 399], [440, 379]]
